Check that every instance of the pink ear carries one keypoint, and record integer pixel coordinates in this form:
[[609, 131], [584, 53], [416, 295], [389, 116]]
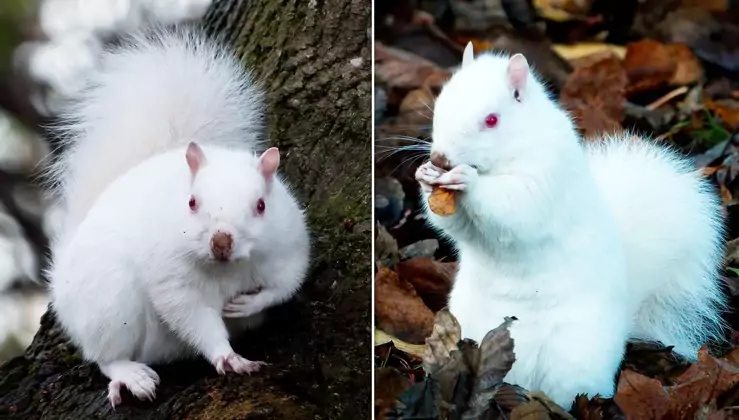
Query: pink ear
[[195, 158], [268, 162], [518, 73]]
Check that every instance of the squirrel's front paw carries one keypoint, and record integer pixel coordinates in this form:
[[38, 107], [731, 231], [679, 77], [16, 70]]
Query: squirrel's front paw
[[235, 363], [426, 174], [243, 305], [459, 178]]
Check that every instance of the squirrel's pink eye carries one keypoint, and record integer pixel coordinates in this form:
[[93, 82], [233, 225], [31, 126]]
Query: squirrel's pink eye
[[193, 203], [260, 206], [491, 120]]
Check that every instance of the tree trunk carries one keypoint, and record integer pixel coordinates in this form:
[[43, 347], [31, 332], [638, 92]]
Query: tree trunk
[[313, 57]]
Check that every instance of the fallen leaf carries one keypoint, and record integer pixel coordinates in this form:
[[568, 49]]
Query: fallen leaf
[[381, 338], [596, 408], [562, 10], [551, 67], [584, 49], [650, 65], [725, 194], [415, 113], [708, 5], [386, 248], [594, 94], [687, 67], [425, 248], [401, 71], [496, 356], [490, 363], [539, 407], [420, 401], [641, 397], [389, 384], [711, 36], [478, 45], [432, 279], [442, 341], [726, 109], [399, 310]]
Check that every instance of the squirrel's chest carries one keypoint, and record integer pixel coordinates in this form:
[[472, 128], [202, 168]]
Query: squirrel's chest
[[482, 298], [229, 283]]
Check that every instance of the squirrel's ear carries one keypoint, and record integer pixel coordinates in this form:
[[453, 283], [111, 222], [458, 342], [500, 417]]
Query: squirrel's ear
[[195, 158], [518, 73], [469, 55], [268, 162]]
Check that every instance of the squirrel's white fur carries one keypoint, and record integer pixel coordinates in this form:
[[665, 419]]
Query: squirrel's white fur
[[158, 90], [587, 246], [134, 279]]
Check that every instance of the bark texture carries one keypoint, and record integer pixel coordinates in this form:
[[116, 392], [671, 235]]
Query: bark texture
[[313, 57]]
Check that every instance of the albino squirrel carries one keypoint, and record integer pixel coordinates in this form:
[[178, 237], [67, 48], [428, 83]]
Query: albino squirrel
[[588, 246], [172, 221]]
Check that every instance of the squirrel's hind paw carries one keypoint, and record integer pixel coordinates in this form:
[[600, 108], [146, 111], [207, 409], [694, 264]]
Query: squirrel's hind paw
[[235, 363], [139, 379]]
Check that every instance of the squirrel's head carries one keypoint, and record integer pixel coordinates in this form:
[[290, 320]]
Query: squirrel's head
[[489, 112], [230, 200]]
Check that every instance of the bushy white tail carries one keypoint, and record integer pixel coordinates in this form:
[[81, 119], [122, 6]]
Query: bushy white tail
[[159, 90], [672, 225]]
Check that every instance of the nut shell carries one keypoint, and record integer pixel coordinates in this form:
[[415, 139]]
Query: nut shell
[[442, 201]]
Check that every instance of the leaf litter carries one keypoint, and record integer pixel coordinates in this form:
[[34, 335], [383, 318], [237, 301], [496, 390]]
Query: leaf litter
[[662, 68]]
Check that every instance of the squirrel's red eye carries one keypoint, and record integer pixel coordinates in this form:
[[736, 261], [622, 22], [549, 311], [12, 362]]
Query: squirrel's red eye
[[193, 203], [491, 120], [260, 206]]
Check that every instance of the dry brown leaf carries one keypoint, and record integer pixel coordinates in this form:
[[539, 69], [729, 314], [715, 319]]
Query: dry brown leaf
[[641, 397], [442, 201], [399, 310], [726, 109], [432, 279], [381, 337], [386, 247], [562, 10], [594, 94], [401, 71], [687, 67], [708, 5], [496, 356], [651, 64], [648, 65], [389, 383], [725, 194], [479, 45], [582, 50], [444, 338], [416, 111], [539, 407]]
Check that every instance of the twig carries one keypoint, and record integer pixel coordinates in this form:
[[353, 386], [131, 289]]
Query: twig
[[667, 98], [427, 21]]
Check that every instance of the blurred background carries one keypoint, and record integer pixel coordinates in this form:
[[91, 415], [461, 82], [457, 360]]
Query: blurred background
[[46, 48]]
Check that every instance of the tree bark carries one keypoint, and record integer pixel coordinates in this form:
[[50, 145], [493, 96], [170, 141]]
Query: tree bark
[[313, 57]]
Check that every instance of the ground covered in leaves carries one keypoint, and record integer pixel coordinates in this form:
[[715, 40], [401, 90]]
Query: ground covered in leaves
[[667, 69]]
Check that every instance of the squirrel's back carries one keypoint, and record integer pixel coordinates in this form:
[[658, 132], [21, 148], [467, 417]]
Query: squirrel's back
[[159, 90], [672, 226]]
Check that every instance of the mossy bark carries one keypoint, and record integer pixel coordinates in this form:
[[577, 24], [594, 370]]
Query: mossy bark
[[313, 58]]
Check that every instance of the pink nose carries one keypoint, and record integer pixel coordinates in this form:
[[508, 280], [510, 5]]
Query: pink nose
[[439, 160], [221, 244]]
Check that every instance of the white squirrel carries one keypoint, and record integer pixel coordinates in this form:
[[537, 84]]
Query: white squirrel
[[587, 245], [172, 222]]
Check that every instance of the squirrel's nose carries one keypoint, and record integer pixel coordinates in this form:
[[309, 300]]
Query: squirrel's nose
[[222, 245], [439, 160]]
